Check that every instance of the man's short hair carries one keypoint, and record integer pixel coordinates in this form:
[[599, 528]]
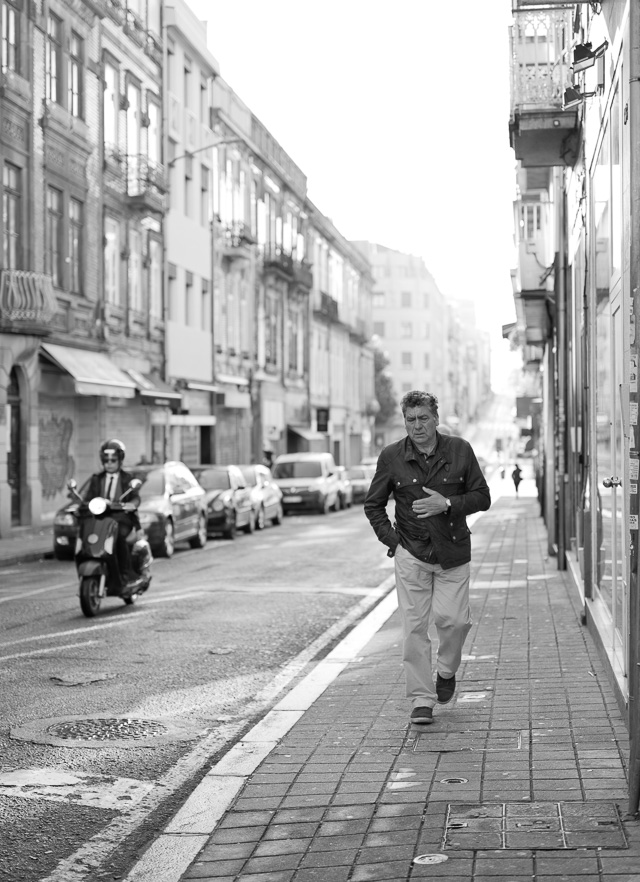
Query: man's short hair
[[418, 398]]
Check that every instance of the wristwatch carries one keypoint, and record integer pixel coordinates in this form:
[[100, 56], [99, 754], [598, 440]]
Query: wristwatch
[[448, 508]]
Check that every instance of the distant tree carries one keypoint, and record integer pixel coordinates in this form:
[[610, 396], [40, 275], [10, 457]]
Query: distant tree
[[384, 388]]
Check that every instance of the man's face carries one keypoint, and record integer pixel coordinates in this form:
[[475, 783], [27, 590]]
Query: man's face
[[110, 462], [420, 424]]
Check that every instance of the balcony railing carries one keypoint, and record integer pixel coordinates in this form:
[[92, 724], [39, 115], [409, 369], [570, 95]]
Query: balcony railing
[[540, 58], [27, 300], [303, 273], [235, 241], [115, 9], [278, 260], [327, 306], [146, 181]]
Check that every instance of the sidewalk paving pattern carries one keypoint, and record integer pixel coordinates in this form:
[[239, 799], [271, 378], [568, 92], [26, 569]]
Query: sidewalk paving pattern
[[521, 777]]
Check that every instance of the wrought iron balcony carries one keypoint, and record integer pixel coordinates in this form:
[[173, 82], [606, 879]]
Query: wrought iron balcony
[[277, 260], [115, 9], [326, 306], [146, 183], [542, 132], [27, 301], [135, 28], [235, 241], [303, 274]]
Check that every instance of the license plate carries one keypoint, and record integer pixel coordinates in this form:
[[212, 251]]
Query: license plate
[[292, 499]]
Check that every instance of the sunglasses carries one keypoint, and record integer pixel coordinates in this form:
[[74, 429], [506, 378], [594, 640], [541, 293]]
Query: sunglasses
[[109, 459]]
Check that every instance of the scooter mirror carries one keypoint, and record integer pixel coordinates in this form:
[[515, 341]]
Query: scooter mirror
[[72, 484], [135, 484], [98, 505]]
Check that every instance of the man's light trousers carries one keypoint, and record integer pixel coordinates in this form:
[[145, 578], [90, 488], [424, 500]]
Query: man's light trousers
[[426, 590]]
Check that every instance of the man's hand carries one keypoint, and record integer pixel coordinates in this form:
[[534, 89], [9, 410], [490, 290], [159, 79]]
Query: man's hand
[[433, 504]]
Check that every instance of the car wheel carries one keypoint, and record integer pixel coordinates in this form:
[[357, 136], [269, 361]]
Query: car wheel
[[278, 516], [230, 532], [260, 518], [200, 539], [168, 545], [250, 526]]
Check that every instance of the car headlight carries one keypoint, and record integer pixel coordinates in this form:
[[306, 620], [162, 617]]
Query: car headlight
[[64, 519]]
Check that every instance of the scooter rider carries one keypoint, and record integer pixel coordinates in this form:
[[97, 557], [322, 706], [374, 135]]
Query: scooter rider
[[110, 484]]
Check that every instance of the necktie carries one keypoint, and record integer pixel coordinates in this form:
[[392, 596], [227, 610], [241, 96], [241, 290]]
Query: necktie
[[110, 488]]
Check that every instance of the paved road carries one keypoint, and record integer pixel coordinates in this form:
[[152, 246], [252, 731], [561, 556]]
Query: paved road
[[203, 653]]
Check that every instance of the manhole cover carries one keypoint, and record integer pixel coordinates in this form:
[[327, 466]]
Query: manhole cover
[[107, 729], [82, 731], [534, 825]]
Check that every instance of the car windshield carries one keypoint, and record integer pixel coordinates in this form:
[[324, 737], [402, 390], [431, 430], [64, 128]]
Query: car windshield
[[359, 473], [213, 479], [152, 482], [297, 469]]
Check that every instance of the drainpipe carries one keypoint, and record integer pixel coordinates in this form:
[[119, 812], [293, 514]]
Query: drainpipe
[[561, 326], [631, 112]]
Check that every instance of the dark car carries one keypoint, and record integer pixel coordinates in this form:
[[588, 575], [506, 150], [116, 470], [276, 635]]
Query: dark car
[[360, 477], [266, 496], [172, 509], [228, 499]]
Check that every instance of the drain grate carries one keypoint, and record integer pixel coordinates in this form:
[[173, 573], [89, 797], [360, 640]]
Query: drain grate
[[535, 825], [106, 729]]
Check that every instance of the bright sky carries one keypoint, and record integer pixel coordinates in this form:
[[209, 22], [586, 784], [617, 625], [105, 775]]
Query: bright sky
[[398, 114]]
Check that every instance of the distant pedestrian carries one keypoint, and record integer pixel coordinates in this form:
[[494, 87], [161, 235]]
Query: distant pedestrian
[[516, 476], [436, 482]]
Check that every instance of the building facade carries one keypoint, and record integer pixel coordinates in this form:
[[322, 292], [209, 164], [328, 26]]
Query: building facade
[[431, 343], [78, 91], [575, 122]]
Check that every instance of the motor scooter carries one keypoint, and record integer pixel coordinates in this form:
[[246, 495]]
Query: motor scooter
[[95, 552]]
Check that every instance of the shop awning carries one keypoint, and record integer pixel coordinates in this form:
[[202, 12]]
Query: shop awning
[[155, 392], [308, 434], [93, 373]]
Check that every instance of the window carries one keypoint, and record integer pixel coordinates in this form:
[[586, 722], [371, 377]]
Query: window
[[427, 331], [74, 85], [53, 58], [378, 329], [133, 123], [187, 82], [271, 329], [378, 299], [295, 339], [10, 37], [407, 359], [405, 299], [153, 131], [189, 305], [55, 224], [155, 278], [206, 306], [110, 104], [406, 330], [530, 220], [426, 361], [11, 216], [111, 260], [204, 195], [75, 245], [135, 271], [425, 300]]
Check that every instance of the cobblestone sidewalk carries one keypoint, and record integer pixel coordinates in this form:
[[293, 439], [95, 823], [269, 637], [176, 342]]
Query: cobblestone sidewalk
[[521, 777]]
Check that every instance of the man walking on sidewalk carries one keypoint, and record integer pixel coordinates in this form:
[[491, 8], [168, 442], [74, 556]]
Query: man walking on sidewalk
[[436, 482]]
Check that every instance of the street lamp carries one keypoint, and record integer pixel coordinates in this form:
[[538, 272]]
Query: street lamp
[[190, 153]]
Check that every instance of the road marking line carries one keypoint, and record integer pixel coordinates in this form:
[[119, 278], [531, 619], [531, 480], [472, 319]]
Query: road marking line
[[37, 591], [57, 634], [50, 649]]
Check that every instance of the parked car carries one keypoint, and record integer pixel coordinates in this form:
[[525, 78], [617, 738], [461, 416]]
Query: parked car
[[228, 499], [360, 477], [172, 509], [308, 481], [345, 490], [369, 461], [266, 496]]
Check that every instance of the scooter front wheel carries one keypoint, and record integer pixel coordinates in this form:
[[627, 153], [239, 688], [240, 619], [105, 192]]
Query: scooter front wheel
[[90, 595]]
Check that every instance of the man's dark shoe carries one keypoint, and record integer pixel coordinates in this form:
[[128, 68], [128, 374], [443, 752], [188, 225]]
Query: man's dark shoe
[[445, 688], [422, 715]]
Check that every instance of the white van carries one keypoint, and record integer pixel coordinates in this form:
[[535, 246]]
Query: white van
[[308, 481]]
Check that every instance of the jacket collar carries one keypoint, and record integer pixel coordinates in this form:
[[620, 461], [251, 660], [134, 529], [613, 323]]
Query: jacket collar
[[442, 449]]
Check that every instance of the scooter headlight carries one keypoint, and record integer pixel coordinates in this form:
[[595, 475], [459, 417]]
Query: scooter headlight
[[98, 506]]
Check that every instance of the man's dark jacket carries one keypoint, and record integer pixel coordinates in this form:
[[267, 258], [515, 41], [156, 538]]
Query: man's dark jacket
[[402, 472], [96, 488]]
